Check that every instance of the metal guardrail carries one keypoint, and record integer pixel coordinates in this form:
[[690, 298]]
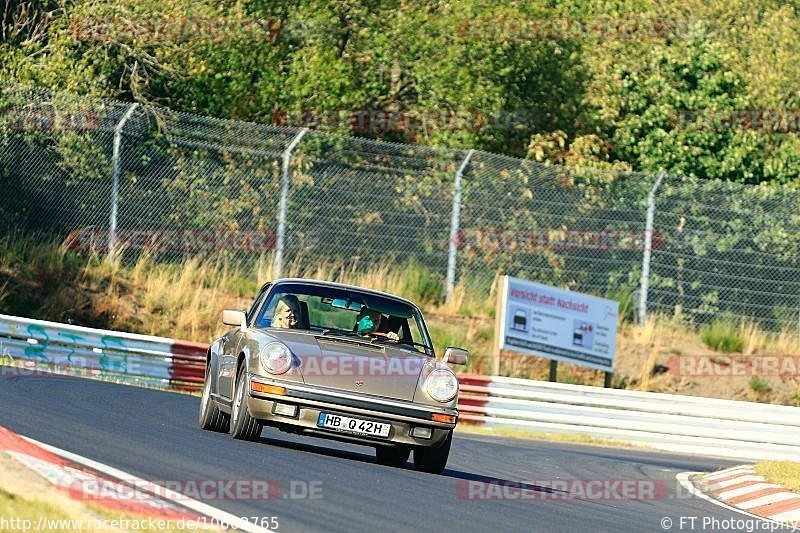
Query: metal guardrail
[[125, 357], [688, 424]]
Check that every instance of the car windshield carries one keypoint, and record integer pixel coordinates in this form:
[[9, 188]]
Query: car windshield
[[345, 312]]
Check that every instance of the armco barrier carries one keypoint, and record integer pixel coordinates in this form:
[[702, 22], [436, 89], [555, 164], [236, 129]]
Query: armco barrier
[[688, 424], [127, 357]]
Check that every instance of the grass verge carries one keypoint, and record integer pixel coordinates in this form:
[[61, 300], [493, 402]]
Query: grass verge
[[28, 502], [184, 299], [784, 473], [723, 335], [545, 436]]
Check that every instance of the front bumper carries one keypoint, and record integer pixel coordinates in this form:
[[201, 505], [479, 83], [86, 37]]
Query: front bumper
[[311, 401]]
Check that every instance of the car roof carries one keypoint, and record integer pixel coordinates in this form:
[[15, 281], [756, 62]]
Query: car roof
[[324, 283]]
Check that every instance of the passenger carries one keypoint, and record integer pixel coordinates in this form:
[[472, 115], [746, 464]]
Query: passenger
[[287, 312], [369, 323]]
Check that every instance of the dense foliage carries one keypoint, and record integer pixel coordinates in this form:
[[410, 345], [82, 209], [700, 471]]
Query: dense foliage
[[580, 99]]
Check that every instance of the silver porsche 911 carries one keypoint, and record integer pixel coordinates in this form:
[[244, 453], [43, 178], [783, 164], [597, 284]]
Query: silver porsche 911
[[334, 361]]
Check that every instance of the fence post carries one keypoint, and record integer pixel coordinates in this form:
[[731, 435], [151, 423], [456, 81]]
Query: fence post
[[454, 223], [648, 247], [280, 238], [115, 171]]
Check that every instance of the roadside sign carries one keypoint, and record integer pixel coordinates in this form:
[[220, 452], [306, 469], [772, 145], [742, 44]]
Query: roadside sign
[[560, 325]]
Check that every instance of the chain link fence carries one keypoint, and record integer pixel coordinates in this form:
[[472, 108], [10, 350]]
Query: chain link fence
[[102, 174]]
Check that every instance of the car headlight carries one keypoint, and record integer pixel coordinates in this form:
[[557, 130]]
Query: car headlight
[[441, 385], [276, 358]]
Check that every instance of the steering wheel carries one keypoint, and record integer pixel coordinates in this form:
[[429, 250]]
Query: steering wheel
[[385, 335]]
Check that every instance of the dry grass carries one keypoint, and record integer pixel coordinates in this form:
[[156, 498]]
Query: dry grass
[[757, 341], [184, 300], [784, 473]]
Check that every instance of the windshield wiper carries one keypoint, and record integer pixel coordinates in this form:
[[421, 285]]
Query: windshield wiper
[[346, 336], [402, 342], [329, 331]]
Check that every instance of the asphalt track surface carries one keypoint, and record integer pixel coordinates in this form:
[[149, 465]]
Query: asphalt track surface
[[154, 435]]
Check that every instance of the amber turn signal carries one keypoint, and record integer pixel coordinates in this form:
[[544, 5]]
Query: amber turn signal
[[445, 419], [255, 386]]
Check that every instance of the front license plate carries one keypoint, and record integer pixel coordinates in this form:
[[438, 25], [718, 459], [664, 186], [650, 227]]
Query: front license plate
[[353, 425]]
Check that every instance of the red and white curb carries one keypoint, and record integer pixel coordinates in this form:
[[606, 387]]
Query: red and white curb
[[742, 488], [80, 478], [81, 483]]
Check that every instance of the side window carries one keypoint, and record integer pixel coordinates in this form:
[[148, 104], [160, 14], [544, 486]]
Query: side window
[[257, 303], [264, 318]]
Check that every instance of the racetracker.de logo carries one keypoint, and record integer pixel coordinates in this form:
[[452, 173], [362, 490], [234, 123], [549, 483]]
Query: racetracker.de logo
[[174, 240], [763, 120], [386, 121], [29, 369], [173, 29], [564, 29], [343, 365], [196, 489], [49, 119], [563, 489], [533, 240], [734, 366]]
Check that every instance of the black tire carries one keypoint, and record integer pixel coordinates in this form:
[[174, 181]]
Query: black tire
[[433, 460], [211, 418], [392, 456], [243, 426]]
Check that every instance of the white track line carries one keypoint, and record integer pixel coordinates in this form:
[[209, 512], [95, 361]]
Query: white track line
[[683, 479], [199, 507], [792, 515]]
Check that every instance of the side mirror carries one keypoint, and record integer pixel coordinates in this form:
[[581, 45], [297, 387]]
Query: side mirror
[[234, 317], [455, 356]]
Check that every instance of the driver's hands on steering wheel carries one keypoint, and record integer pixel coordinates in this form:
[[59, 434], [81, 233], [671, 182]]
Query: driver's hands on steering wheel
[[391, 335]]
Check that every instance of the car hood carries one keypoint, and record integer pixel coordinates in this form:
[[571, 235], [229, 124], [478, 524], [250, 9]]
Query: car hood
[[352, 365]]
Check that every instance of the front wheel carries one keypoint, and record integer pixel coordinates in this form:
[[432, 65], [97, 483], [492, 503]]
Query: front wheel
[[433, 460], [211, 418], [243, 426], [392, 456]]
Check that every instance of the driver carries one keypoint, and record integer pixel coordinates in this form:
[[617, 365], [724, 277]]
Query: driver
[[369, 323], [286, 312]]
